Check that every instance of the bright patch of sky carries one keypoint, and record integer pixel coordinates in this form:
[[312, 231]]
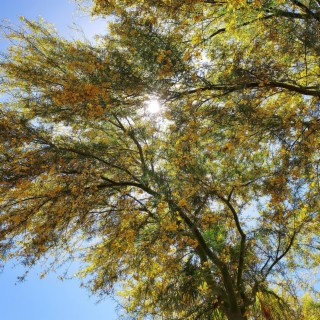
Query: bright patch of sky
[[153, 106], [49, 298], [63, 14]]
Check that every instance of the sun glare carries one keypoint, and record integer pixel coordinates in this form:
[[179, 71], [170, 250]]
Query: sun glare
[[153, 106]]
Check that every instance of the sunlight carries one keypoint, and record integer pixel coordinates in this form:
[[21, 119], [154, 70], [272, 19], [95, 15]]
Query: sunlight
[[153, 106]]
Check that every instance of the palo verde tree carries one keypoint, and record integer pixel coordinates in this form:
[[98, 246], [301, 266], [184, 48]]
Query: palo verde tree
[[208, 209]]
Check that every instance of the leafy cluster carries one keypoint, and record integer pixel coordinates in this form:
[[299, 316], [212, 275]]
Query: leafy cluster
[[208, 209]]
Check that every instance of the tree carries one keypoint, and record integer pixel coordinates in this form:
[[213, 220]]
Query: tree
[[208, 209]]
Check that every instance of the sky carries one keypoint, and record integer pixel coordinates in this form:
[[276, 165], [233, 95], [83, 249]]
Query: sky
[[48, 298]]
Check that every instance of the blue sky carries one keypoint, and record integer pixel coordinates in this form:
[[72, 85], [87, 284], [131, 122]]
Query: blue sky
[[49, 298], [62, 13]]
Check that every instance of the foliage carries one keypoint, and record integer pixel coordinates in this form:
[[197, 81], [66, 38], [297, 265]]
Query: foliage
[[206, 210]]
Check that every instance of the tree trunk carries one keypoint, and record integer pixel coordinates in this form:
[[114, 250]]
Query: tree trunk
[[236, 316]]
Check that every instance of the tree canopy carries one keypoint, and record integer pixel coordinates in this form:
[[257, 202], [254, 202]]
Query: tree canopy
[[207, 209]]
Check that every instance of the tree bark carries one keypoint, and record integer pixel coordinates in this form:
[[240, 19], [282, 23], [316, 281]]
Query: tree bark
[[236, 316]]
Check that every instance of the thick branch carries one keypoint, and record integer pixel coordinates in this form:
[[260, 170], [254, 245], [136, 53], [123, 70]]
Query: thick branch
[[227, 280], [112, 183], [228, 88], [242, 241], [305, 9]]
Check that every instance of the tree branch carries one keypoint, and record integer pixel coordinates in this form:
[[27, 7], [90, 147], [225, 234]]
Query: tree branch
[[304, 8], [90, 155], [228, 88], [242, 241], [276, 261], [227, 280]]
